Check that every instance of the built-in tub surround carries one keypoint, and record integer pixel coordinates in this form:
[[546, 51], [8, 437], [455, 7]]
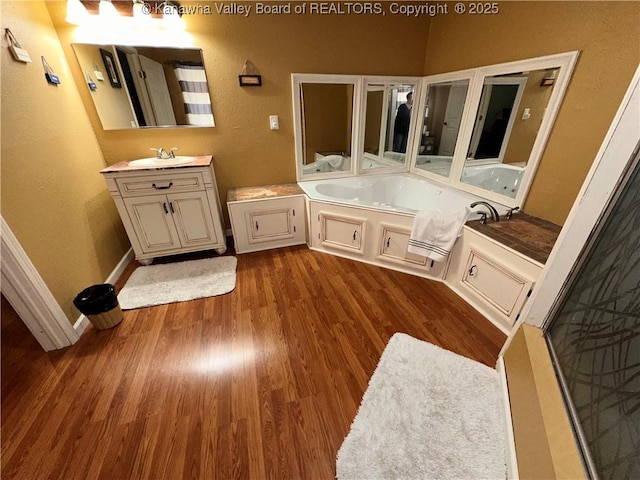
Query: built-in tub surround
[[369, 218], [402, 193]]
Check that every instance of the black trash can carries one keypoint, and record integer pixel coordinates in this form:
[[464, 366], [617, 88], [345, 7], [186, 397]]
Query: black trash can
[[100, 304]]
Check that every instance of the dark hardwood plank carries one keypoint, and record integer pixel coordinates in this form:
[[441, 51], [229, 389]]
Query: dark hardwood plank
[[263, 382]]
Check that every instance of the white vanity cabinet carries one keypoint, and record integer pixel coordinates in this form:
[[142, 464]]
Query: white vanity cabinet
[[493, 278], [267, 217], [166, 211], [370, 236]]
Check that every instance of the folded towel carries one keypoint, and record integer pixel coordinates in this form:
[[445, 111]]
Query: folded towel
[[434, 232]]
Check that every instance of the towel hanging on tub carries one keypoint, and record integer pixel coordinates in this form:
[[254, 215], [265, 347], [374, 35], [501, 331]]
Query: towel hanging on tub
[[434, 232]]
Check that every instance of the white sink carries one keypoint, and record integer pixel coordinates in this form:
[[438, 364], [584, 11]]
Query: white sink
[[161, 162]]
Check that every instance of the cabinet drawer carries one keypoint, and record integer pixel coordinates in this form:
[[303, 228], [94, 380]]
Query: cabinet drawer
[[394, 241], [341, 232], [501, 287], [158, 183]]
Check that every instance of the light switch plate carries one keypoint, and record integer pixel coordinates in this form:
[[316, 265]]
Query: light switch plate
[[274, 122]]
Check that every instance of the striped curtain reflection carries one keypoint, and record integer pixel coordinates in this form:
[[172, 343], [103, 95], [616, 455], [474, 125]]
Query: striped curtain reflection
[[195, 92]]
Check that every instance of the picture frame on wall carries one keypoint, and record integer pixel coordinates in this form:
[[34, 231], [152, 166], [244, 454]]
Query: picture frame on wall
[[110, 66]]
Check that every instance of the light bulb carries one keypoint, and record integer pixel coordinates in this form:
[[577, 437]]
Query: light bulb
[[76, 12], [107, 9], [171, 19]]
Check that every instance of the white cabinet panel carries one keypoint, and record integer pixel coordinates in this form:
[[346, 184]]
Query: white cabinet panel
[[152, 222], [269, 225], [265, 223], [498, 285], [394, 241], [193, 218], [341, 232]]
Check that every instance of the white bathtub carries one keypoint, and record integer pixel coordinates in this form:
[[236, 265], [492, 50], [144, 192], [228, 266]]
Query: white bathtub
[[500, 178], [402, 193]]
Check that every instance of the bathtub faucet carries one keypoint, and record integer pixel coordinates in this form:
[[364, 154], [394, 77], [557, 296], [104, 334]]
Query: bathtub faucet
[[493, 212]]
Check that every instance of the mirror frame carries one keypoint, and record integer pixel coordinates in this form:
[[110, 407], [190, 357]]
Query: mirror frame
[[386, 82], [564, 62], [297, 79]]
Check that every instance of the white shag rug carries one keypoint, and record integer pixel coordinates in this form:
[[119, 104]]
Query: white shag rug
[[178, 282], [428, 413]]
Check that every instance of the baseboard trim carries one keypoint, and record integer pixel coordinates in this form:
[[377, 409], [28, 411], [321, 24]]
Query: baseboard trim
[[510, 447], [83, 322]]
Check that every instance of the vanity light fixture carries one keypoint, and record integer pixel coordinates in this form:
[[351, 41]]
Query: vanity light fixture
[[76, 12]]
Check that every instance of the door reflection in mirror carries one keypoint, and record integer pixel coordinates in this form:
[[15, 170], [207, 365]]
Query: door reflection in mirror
[[507, 122], [441, 126], [326, 112]]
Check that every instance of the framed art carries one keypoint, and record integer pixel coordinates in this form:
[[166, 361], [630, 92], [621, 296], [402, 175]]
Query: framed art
[[110, 66], [250, 80]]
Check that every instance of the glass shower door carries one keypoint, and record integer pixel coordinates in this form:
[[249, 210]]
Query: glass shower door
[[595, 340]]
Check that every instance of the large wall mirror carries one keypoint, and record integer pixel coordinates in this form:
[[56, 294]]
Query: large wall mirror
[[325, 111], [498, 120], [388, 117], [141, 87]]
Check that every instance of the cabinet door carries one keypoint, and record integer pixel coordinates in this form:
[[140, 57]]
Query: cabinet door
[[498, 285], [193, 219], [341, 232], [267, 225], [152, 222], [394, 241]]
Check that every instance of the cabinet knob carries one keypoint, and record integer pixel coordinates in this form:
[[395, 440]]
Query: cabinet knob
[[171, 207], [388, 242], [163, 187], [257, 226], [164, 205], [473, 271]]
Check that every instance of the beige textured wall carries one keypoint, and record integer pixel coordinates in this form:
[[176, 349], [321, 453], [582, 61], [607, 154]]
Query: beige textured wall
[[53, 197], [536, 98], [607, 35], [246, 152]]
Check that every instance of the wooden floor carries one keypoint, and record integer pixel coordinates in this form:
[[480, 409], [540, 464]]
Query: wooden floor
[[263, 382]]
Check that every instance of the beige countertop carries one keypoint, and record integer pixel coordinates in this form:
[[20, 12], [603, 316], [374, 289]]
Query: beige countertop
[[264, 191], [200, 161]]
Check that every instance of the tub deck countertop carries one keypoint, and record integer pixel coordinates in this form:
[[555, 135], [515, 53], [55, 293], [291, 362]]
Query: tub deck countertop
[[529, 235]]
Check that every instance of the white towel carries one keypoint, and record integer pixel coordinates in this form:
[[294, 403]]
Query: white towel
[[434, 232], [334, 160]]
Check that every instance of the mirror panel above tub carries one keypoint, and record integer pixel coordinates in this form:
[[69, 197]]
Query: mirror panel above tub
[[143, 87], [388, 118], [325, 114], [444, 102], [505, 123]]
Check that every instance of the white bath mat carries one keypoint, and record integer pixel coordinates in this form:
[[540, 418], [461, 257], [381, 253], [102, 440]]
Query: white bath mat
[[178, 282], [427, 413]]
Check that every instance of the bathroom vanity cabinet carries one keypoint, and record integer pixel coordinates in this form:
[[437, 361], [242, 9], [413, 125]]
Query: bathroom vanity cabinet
[[267, 217], [370, 236], [493, 278], [168, 210]]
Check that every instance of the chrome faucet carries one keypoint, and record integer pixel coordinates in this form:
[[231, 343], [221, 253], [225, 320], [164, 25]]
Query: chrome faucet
[[493, 212], [162, 154]]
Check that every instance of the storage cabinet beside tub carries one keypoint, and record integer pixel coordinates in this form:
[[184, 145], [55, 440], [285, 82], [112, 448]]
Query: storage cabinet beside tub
[[170, 210], [493, 278], [368, 235], [267, 217]]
